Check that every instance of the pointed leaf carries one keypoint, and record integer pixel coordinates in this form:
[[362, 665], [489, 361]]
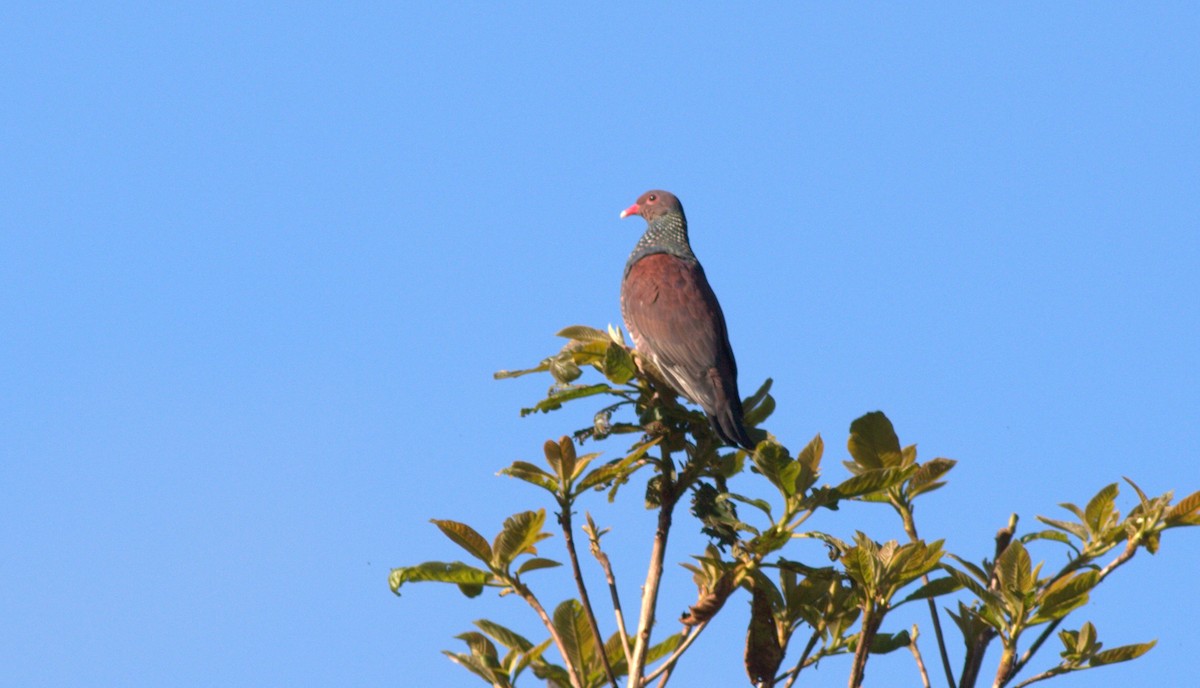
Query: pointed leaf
[[1014, 569], [475, 665], [466, 537], [1099, 509], [1185, 512], [566, 450], [536, 563], [1123, 653], [1073, 528], [583, 333], [770, 459], [925, 479], [576, 635], [871, 481], [521, 531], [440, 572], [618, 365], [884, 643], [934, 588], [563, 394], [523, 470], [506, 636], [811, 454]]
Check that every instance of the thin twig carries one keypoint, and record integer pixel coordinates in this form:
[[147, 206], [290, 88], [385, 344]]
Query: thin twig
[[665, 668], [1049, 673], [916, 652], [605, 564], [569, 537], [795, 672], [910, 527], [527, 595]]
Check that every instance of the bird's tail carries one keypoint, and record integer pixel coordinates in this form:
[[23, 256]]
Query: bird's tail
[[730, 427]]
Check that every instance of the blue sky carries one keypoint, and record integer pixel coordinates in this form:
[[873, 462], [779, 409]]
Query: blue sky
[[260, 262]]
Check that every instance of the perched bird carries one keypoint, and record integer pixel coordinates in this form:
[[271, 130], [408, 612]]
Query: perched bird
[[675, 319]]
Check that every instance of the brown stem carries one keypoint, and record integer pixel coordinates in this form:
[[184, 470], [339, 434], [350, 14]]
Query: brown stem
[[910, 527], [916, 653], [569, 537], [669, 664], [611, 579], [641, 645], [872, 619], [808, 648], [1005, 671], [527, 595]]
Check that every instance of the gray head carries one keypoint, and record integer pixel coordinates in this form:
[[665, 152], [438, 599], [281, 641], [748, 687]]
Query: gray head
[[666, 227]]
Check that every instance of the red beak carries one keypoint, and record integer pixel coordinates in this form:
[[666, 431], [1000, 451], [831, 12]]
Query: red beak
[[631, 210]]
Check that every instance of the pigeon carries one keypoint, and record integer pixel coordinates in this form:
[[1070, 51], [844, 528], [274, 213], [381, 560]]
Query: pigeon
[[675, 320]]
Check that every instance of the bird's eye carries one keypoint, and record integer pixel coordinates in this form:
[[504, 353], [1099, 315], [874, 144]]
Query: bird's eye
[[652, 198]]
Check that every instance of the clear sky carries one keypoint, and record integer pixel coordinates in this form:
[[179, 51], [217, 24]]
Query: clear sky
[[260, 260]]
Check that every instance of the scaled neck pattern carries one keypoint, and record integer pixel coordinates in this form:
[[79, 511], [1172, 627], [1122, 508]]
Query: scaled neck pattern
[[664, 234]]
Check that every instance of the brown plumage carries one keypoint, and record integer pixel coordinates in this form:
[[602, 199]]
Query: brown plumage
[[675, 319]]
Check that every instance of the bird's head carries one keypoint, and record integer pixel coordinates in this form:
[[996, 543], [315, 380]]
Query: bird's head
[[653, 204]]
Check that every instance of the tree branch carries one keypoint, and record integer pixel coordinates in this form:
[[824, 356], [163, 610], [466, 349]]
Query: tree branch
[[916, 653], [669, 664], [564, 519], [795, 672], [594, 543], [527, 595], [641, 645], [910, 527]]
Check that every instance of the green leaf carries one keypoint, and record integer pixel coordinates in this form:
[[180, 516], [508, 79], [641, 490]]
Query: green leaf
[[523, 470], [760, 504], [1099, 510], [759, 395], [934, 588], [440, 572], [466, 537], [968, 582], [770, 459], [536, 563], [521, 532], [1186, 512], [1014, 569], [618, 364], [884, 643], [1073, 528], [1123, 653], [583, 333], [873, 443], [662, 649], [557, 397], [564, 369], [507, 637], [760, 412], [811, 454], [874, 480], [1065, 595], [924, 480], [476, 666], [575, 634]]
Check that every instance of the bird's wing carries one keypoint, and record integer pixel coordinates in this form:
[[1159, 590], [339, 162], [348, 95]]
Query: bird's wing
[[673, 314]]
